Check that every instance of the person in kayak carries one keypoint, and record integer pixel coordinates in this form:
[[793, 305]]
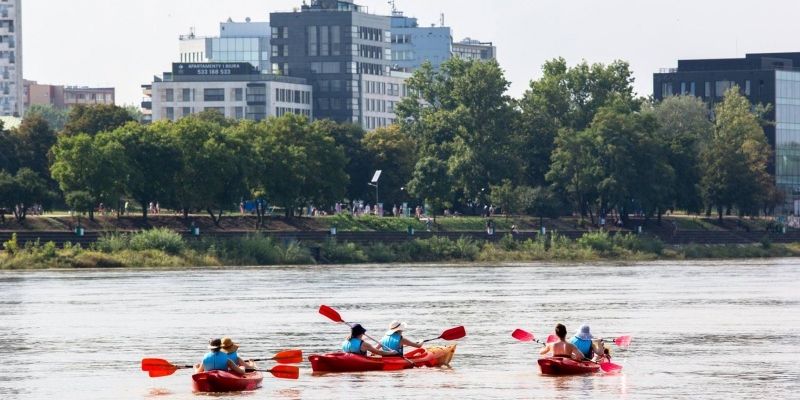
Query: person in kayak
[[393, 338], [216, 360], [355, 344], [562, 348], [232, 350], [583, 341]]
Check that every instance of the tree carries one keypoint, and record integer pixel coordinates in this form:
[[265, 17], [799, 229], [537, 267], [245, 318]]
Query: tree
[[34, 139], [394, 153], [153, 161], [431, 182], [360, 165], [575, 168], [544, 204], [566, 98], [56, 118], [214, 166], [301, 163], [734, 164], [94, 119], [22, 190], [96, 165], [80, 202], [685, 128], [8, 151], [513, 200], [464, 118]]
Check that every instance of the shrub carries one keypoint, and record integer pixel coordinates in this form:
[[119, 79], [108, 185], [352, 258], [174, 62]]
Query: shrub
[[294, 254], [381, 253], [467, 249], [251, 249], [640, 243], [508, 243], [158, 239], [598, 241], [766, 242], [342, 253], [112, 242], [12, 245]]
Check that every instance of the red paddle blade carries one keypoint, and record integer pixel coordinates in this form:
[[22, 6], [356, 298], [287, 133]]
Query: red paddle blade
[[289, 357], [610, 367], [523, 336], [623, 341], [158, 373], [552, 339], [332, 314], [157, 364], [454, 333], [285, 372]]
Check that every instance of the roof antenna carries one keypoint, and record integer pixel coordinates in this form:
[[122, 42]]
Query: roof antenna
[[441, 19], [393, 3]]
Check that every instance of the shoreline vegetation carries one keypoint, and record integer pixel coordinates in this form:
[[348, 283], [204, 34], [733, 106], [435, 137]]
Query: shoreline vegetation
[[162, 247]]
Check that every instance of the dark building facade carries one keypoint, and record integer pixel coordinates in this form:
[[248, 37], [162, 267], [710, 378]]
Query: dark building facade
[[334, 45], [768, 78]]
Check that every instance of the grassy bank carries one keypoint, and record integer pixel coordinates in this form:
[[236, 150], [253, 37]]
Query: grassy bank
[[164, 248]]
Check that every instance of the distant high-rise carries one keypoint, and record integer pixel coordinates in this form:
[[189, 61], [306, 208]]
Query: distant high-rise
[[11, 87]]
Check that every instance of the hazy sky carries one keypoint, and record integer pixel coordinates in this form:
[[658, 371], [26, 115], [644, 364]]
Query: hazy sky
[[123, 43]]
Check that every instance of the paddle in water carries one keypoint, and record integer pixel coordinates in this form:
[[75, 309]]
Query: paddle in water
[[280, 371], [623, 341], [525, 336]]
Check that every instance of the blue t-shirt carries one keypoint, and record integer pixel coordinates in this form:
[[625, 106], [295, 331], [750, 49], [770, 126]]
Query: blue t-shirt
[[233, 356], [215, 361], [585, 346]]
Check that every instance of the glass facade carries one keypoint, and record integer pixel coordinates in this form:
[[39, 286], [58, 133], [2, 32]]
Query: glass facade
[[787, 137], [236, 50]]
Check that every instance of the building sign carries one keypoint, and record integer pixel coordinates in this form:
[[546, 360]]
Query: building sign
[[213, 69]]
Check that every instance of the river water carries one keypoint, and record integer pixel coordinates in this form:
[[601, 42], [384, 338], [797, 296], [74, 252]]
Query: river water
[[701, 330]]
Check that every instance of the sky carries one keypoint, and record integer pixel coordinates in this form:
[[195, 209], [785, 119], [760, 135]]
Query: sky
[[123, 43]]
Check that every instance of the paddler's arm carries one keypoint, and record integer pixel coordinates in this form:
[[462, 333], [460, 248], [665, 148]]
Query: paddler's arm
[[235, 368], [368, 347], [407, 342], [546, 349]]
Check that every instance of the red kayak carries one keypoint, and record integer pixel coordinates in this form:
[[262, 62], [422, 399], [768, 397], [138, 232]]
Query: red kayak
[[346, 362], [566, 366], [223, 381]]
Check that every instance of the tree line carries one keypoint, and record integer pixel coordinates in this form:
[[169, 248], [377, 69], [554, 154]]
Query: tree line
[[577, 141]]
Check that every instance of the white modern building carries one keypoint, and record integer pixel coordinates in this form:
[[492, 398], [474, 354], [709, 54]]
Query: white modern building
[[237, 90], [471, 49], [379, 98], [237, 42], [11, 86]]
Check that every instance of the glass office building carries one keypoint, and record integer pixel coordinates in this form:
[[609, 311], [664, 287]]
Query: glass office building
[[787, 136]]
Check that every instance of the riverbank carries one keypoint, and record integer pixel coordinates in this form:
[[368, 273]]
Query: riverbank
[[165, 248]]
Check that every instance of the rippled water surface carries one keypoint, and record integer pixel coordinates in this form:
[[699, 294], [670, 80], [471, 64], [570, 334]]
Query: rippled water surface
[[707, 330]]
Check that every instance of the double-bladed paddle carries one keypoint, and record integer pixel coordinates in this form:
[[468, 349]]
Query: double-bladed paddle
[[334, 316], [524, 336], [157, 367], [622, 341]]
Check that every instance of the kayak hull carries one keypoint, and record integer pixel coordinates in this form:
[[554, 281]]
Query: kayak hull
[[344, 362], [565, 366], [223, 381]]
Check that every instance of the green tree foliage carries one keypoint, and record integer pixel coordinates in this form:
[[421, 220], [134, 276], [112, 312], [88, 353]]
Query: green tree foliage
[[153, 162], [300, 163], [566, 98], [393, 152], [544, 204], [94, 119], [19, 192], [96, 165], [8, 152], [80, 202], [513, 200], [685, 128], [431, 182], [734, 164], [56, 118], [464, 118], [34, 139], [360, 163]]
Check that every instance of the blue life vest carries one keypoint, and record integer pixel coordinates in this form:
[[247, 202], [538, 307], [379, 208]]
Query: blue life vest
[[215, 361], [353, 346], [393, 342], [585, 346]]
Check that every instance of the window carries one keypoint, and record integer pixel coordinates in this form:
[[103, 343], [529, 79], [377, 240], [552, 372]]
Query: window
[[256, 94], [692, 89], [170, 113], [213, 94], [683, 88], [311, 34], [256, 113], [666, 89], [747, 88], [708, 89], [170, 95], [220, 110], [187, 95], [237, 94], [324, 41], [722, 87], [238, 112], [186, 111], [336, 40]]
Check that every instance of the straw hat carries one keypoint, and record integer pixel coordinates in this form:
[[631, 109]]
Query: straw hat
[[228, 345], [396, 326]]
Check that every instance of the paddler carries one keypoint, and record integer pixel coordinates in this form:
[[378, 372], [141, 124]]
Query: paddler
[[355, 343], [229, 347], [583, 341], [562, 348], [393, 338], [217, 360]]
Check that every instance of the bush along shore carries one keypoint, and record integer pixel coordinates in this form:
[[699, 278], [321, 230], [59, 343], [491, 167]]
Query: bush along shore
[[165, 248]]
